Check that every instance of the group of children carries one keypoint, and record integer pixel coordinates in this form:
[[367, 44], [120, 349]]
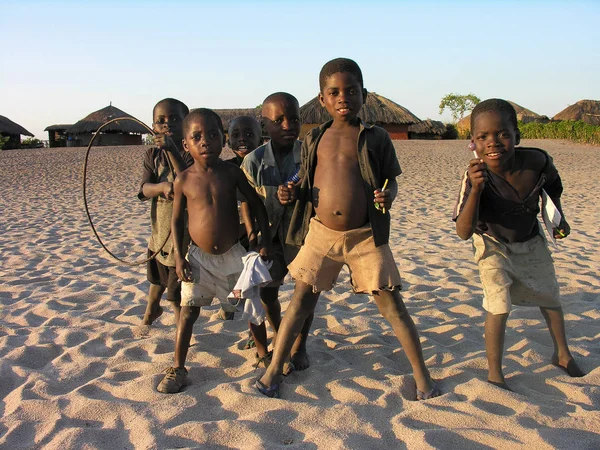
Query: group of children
[[312, 206]]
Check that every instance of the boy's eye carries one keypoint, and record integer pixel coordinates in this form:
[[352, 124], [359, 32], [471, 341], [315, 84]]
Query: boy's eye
[[160, 121], [295, 120], [352, 91], [279, 120]]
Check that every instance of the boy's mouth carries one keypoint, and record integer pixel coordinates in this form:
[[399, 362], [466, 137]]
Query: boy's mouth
[[495, 154], [344, 111], [242, 149]]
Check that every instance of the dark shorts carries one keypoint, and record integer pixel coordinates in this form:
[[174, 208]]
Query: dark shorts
[[283, 254], [165, 276]]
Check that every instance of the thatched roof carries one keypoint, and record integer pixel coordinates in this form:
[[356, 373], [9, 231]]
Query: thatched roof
[[586, 110], [7, 126], [92, 122], [523, 115], [58, 127], [227, 115], [377, 109], [428, 127]]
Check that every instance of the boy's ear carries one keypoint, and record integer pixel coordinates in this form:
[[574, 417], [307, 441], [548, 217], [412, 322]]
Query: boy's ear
[[365, 93], [184, 144], [321, 100], [518, 139], [224, 141]]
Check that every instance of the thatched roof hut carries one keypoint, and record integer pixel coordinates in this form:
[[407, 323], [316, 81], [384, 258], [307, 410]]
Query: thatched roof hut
[[125, 132], [427, 129], [585, 110], [13, 131], [227, 115], [57, 135], [523, 115], [377, 110]]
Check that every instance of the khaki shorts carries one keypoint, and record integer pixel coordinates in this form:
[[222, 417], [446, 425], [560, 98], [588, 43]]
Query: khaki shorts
[[214, 276], [520, 273], [325, 251]]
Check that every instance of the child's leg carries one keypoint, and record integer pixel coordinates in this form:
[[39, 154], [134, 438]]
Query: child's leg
[[177, 310], [302, 305], [185, 326], [299, 354], [562, 356], [153, 309], [495, 327], [392, 308], [270, 299]]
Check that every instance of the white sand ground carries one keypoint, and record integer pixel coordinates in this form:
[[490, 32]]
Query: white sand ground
[[76, 373]]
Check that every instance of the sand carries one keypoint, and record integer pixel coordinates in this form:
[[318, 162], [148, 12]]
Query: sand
[[78, 372]]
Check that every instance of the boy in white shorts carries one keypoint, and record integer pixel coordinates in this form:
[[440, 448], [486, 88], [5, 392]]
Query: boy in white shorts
[[208, 190]]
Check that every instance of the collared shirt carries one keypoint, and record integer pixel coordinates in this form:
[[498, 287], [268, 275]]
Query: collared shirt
[[156, 170], [377, 161], [502, 213], [265, 176]]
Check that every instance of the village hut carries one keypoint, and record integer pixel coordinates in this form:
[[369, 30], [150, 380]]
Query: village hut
[[57, 135], [377, 110], [427, 129], [586, 110], [122, 132], [524, 115], [13, 131]]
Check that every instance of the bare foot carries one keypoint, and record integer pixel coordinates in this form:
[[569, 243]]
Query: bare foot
[[148, 320], [501, 385], [569, 366], [300, 360]]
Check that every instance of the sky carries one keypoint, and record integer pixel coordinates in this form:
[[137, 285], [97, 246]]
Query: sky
[[64, 60]]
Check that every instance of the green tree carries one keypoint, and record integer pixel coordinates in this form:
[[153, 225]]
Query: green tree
[[458, 105]]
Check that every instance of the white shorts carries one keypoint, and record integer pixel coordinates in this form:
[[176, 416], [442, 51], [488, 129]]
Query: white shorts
[[214, 276]]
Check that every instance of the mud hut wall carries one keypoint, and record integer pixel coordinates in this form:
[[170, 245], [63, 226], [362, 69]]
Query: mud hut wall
[[398, 132]]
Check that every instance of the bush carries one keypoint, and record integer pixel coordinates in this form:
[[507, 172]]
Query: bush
[[578, 131], [451, 132], [3, 140], [31, 143]]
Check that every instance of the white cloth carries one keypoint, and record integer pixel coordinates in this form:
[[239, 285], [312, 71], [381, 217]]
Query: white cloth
[[247, 289]]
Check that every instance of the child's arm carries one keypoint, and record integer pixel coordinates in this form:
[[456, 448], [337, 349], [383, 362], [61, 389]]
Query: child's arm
[[166, 143], [249, 224], [182, 267], [563, 229], [466, 222], [258, 210], [151, 190]]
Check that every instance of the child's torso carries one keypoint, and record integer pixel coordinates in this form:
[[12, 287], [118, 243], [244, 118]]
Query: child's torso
[[339, 196]]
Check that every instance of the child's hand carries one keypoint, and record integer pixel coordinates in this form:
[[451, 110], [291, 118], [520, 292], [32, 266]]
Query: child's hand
[[286, 194], [266, 252], [167, 190], [383, 199], [162, 140], [183, 269], [563, 230], [477, 174]]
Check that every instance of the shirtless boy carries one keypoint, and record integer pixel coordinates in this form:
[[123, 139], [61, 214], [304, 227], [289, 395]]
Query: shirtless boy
[[345, 162], [208, 190]]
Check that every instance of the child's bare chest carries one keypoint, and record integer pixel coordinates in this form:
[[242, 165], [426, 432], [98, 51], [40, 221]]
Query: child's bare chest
[[521, 182], [338, 148]]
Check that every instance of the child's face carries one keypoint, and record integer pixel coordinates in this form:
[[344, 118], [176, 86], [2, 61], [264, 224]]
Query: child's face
[[168, 119], [204, 140], [342, 96], [281, 117], [244, 136], [494, 137]]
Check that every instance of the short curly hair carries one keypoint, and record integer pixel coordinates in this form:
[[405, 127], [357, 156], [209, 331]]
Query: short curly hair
[[497, 105], [202, 112], [339, 65]]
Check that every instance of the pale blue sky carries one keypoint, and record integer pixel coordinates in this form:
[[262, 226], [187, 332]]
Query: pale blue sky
[[63, 60]]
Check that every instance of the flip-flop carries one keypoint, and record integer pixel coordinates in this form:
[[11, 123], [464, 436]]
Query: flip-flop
[[433, 392], [572, 369], [271, 392]]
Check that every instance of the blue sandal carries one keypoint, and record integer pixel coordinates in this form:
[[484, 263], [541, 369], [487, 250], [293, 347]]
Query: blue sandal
[[271, 392]]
